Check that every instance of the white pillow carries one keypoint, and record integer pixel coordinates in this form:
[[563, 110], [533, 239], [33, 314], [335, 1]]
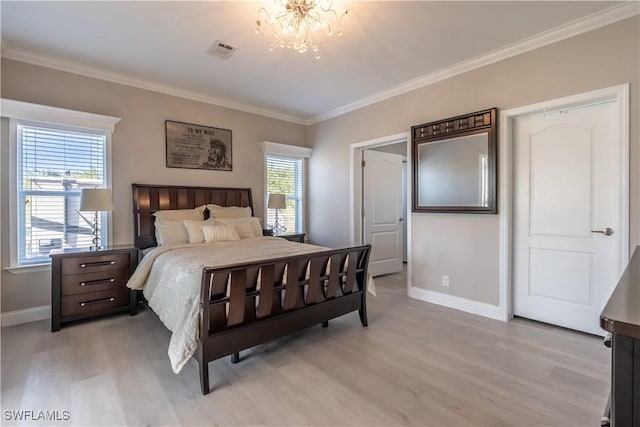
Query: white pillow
[[171, 232], [219, 233], [194, 230], [229, 212], [245, 227], [180, 214]]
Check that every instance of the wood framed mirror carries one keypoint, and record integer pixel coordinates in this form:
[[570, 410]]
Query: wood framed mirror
[[454, 164]]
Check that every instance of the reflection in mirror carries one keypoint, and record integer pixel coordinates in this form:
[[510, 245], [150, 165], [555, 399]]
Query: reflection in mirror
[[454, 172]]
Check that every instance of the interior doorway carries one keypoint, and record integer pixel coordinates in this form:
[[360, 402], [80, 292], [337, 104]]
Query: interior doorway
[[382, 212], [564, 207], [379, 214], [566, 189]]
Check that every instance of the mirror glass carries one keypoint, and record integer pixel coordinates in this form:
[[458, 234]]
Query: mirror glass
[[454, 164], [454, 172]]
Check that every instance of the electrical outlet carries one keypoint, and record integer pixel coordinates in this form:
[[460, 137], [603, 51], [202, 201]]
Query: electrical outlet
[[445, 280]]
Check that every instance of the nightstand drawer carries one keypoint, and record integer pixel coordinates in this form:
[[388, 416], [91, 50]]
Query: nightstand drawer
[[91, 283], [94, 282], [92, 264], [94, 302]]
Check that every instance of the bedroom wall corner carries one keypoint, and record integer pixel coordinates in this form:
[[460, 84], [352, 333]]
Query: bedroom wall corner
[[138, 151], [466, 247]]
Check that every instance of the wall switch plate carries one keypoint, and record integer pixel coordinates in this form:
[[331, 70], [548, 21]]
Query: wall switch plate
[[445, 280]]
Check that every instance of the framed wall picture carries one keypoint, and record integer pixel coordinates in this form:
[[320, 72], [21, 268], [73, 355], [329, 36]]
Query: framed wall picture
[[198, 147]]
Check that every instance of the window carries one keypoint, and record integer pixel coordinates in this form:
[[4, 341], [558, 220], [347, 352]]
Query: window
[[285, 174], [53, 166], [54, 161]]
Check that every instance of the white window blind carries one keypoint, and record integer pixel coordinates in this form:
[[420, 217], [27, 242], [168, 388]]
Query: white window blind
[[285, 176], [54, 163]]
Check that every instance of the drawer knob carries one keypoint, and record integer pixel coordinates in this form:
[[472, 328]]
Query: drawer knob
[[96, 264], [98, 301], [97, 282]]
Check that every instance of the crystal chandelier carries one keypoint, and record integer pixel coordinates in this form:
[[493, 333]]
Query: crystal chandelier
[[296, 24]]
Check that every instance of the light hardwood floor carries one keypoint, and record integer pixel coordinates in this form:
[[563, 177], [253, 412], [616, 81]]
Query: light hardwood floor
[[416, 364]]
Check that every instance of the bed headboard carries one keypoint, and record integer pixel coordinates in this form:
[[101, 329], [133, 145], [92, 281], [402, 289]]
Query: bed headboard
[[147, 199]]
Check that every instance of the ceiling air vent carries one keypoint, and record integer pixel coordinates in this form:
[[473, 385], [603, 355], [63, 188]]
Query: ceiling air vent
[[221, 49]]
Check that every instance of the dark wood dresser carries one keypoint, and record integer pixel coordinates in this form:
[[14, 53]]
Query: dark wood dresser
[[621, 317], [88, 283]]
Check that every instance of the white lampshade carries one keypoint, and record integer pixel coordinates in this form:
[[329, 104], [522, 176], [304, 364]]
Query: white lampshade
[[96, 199], [277, 201]]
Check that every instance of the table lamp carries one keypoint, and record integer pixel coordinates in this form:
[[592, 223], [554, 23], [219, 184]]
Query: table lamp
[[96, 200], [277, 202]]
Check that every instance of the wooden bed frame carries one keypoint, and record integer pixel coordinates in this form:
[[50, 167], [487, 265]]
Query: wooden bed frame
[[246, 304]]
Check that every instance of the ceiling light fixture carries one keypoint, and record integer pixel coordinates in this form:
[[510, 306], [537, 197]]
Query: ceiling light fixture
[[296, 24]]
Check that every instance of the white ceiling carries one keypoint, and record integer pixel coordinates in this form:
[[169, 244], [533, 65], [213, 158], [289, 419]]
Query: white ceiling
[[387, 47]]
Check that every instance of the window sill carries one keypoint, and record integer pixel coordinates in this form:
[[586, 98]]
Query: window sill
[[25, 269]]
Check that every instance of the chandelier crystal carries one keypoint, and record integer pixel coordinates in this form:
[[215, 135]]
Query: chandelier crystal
[[296, 24]]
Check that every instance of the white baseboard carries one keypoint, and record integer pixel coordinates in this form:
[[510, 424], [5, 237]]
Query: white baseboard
[[463, 304], [33, 314]]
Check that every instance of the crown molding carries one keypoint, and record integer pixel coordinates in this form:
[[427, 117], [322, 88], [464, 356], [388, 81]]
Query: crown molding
[[592, 22], [580, 26], [60, 65]]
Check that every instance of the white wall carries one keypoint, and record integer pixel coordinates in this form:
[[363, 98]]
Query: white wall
[[465, 246]]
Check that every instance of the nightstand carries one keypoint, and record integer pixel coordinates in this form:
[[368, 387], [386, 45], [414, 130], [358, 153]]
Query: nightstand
[[89, 283], [294, 237]]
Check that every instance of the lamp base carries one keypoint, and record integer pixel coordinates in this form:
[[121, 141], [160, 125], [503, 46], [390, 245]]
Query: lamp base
[[96, 234], [278, 227]]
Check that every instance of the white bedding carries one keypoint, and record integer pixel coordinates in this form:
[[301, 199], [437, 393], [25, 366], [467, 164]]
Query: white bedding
[[170, 278]]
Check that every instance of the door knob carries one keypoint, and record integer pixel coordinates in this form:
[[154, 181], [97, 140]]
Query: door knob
[[400, 219], [607, 231]]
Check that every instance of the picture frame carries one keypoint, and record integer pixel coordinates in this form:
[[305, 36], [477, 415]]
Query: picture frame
[[190, 146]]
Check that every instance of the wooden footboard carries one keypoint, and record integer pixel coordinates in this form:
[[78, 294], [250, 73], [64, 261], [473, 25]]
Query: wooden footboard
[[244, 305]]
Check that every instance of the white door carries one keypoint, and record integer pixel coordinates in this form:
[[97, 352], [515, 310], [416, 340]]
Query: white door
[[567, 192], [382, 202]]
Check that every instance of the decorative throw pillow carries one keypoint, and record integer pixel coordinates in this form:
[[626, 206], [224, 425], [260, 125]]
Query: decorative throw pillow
[[219, 233], [229, 212], [194, 230], [245, 227], [171, 232], [179, 214]]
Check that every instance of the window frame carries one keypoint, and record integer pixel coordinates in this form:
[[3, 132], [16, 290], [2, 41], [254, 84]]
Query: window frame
[[293, 152], [299, 184], [56, 118]]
